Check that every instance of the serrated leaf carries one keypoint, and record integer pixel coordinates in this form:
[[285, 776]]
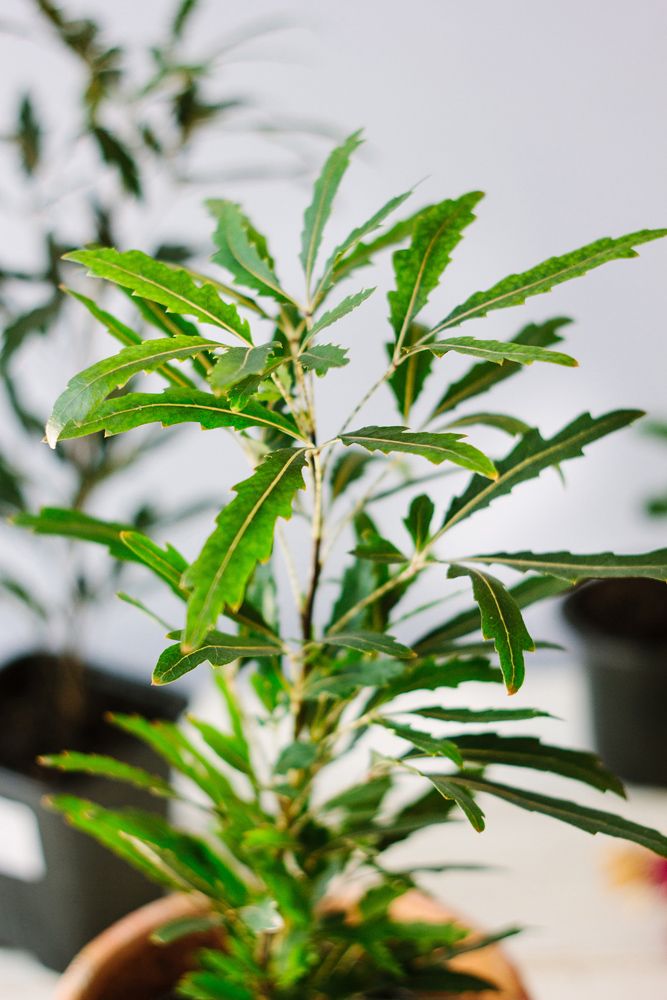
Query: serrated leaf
[[483, 376], [500, 421], [437, 448], [428, 675], [532, 455], [418, 521], [589, 820], [424, 743], [498, 352], [239, 254], [566, 566], [369, 642], [321, 357], [324, 192], [346, 306], [530, 752], [218, 649], [501, 621], [475, 715], [243, 537], [90, 387], [107, 767], [238, 363], [166, 562], [418, 269], [171, 287], [177, 406]]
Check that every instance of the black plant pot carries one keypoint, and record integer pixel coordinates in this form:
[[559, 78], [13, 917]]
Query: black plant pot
[[66, 888], [622, 628]]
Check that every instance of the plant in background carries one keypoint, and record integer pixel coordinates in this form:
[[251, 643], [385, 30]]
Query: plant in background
[[139, 125], [656, 506], [298, 703]]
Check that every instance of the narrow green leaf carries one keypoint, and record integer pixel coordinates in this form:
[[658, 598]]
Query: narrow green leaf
[[378, 549], [108, 767], [346, 306], [418, 268], [498, 352], [183, 927], [566, 566], [461, 796], [501, 422], [515, 289], [589, 820], [487, 374], [90, 387], [424, 743], [437, 448], [428, 675], [217, 650], [318, 211], [242, 538], [321, 357], [369, 642], [531, 455], [166, 562], [228, 747], [347, 469], [177, 406], [409, 378], [239, 254], [418, 521], [171, 287], [530, 752], [501, 621], [475, 715]]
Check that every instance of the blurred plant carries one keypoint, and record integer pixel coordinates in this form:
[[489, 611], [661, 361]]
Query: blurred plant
[[281, 839], [137, 122], [657, 505]]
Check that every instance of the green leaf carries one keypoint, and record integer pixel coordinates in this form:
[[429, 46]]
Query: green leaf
[[228, 747], [427, 675], [424, 743], [498, 352], [531, 455], [524, 594], [242, 538], [183, 927], [565, 566], [410, 376], [183, 13], [239, 253], [346, 306], [171, 287], [378, 549], [318, 211], [418, 268], [237, 363], [589, 820], [298, 755], [346, 682], [515, 289], [501, 621], [461, 796], [107, 767], [418, 521], [475, 715], [369, 642], [483, 376], [116, 154], [28, 136], [90, 387], [500, 421], [217, 649], [530, 752], [176, 406], [166, 562], [321, 357], [347, 469], [437, 448]]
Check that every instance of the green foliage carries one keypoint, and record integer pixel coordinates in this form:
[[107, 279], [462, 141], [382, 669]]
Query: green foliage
[[330, 684]]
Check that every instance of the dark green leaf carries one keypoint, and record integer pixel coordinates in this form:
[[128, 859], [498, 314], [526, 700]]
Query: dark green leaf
[[479, 714], [499, 352], [437, 448], [572, 568], [461, 796], [238, 252], [321, 357], [369, 642], [116, 154], [424, 743], [418, 521], [217, 649], [237, 363], [342, 309], [410, 376]]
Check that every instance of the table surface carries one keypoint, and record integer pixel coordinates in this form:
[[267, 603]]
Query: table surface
[[586, 938]]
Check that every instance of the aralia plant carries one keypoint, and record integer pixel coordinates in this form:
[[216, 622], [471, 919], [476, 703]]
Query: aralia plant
[[278, 838]]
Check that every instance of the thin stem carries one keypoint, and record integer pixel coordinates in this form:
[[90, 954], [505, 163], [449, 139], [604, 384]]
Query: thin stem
[[316, 561]]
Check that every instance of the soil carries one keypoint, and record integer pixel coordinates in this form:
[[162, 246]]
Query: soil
[[31, 689], [632, 609]]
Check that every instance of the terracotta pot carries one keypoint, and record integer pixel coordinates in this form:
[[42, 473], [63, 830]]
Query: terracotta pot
[[122, 964]]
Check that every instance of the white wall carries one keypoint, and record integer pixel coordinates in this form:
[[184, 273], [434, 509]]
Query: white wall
[[556, 110]]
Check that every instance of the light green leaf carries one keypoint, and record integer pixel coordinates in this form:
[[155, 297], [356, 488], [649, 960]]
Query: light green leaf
[[90, 387], [589, 820], [515, 289], [483, 376], [369, 642], [108, 767], [171, 287], [566, 566], [242, 538], [498, 352], [501, 621], [228, 747], [237, 363], [239, 253], [166, 562], [318, 211], [177, 406], [182, 927], [321, 357], [418, 268], [216, 650], [531, 455], [346, 306], [437, 448]]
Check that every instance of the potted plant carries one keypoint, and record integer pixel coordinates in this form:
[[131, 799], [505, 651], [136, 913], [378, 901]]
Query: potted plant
[[265, 880], [101, 181], [621, 628]]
